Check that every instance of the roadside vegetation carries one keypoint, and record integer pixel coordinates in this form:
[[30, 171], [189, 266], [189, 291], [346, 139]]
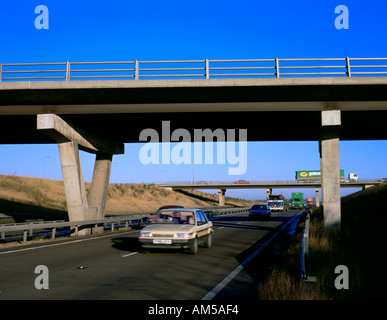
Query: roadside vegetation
[[360, 245]]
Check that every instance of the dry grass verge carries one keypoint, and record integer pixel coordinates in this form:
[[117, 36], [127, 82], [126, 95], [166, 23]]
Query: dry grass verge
[[359, 246], [283, 283]]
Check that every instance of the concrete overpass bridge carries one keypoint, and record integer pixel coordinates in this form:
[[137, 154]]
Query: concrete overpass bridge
[[99, 106], [269, 185]]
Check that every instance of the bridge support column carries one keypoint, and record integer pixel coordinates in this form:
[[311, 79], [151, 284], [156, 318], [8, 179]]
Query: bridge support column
[[70, 141], [317, 197], [269, 191], [330, 168], [79, 206], [222, 197], [73, 181], [99, 186]]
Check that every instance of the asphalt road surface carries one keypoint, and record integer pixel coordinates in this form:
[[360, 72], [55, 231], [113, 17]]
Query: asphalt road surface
[[113, 266]]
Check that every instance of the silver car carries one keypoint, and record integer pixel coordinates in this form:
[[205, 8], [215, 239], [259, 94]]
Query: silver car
[[178, 228]]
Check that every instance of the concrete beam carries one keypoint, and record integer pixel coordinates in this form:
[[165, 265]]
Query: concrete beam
[[61, 131], [330, 168], [330, 117], [181, 83]]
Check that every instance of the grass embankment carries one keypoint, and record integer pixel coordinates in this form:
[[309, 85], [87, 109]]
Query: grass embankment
[[360, 245]]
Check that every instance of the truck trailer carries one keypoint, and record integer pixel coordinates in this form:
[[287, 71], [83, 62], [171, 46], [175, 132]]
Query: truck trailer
[[309, 201], [297, 200], [353, 177], [312, 175]]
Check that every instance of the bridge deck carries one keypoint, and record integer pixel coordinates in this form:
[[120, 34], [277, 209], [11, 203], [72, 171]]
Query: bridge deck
[[284, 109]]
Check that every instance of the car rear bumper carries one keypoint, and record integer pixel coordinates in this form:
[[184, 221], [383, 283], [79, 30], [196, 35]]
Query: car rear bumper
[[254, 213], [175, 244], [259, 215]]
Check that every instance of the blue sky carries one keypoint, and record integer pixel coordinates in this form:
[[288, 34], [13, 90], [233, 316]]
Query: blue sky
[[120, 30]]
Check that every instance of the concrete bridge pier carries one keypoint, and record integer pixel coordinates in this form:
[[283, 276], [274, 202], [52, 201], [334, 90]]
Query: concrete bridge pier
[[99, 186], [75, 191], [222, 197], [317, 197], [269, 191], [330, 168], [81, 206]]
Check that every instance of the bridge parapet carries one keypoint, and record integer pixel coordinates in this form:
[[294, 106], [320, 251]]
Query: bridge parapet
[[188, 69]]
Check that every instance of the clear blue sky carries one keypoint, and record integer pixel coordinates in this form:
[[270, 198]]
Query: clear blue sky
[[171, 30]]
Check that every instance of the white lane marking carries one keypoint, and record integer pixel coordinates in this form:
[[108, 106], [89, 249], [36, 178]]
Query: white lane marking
[[63, 243], [130, 254], [210, 295], [221, 228]]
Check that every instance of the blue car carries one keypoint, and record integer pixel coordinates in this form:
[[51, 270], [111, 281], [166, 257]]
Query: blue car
[[259, 211]]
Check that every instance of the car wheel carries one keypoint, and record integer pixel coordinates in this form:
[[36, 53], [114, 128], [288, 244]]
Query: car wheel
[[208, 243], [193, 249]]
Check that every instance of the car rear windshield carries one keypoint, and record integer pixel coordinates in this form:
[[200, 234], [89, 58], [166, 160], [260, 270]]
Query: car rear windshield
[[174, 217], [259, 207]]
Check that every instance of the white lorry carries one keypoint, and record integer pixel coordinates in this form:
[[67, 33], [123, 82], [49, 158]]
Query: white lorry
[[353, 177]]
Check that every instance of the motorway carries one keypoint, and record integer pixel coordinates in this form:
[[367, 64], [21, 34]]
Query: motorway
[[113, 266]]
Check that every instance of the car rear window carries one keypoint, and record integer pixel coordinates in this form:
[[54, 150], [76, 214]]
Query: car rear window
[[259, 207], [174, 217]]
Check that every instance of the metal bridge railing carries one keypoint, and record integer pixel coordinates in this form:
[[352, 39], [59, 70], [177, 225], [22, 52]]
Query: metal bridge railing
[[188, 69]]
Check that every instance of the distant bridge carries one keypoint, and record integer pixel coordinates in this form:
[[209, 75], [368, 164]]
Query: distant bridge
[[222, 186], [253, 184]]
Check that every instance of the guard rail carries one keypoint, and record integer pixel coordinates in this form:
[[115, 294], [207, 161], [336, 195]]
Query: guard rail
[[304, 246], [29, 228], [54, 225]]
